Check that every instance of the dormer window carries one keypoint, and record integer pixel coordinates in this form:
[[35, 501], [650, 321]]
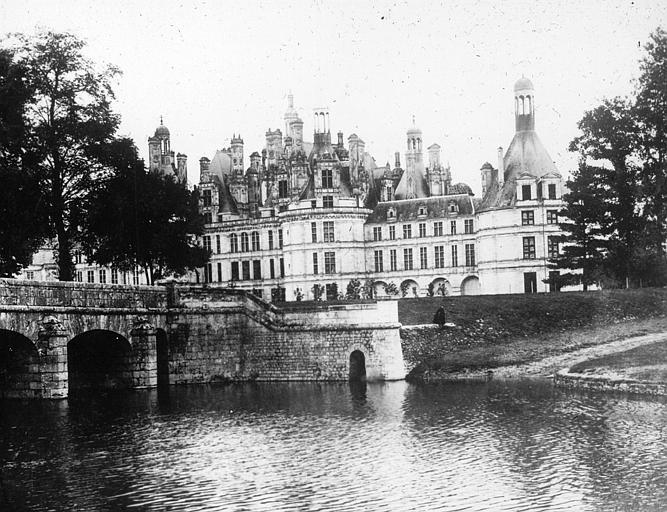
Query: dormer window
[[453, 208], [551, 188], [422, 211], [526, 192], [391, 214]]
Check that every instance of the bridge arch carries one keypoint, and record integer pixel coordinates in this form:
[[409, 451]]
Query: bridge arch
[[19, 366], [99, 359], [162, 354], [357, 366]]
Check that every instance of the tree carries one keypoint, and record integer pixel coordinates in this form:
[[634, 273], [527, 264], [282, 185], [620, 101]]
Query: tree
[[582, 242], [651, 115], [155, 219], [353, 289], [70, 120], [391, 289], [21, 201]]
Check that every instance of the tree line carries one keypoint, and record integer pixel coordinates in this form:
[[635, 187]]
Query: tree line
[[614, 222], [69, 179]]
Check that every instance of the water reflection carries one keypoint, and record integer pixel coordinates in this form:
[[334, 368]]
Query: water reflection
[[336, 446]]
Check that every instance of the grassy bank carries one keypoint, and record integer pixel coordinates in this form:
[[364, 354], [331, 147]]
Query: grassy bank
[[493, 331]]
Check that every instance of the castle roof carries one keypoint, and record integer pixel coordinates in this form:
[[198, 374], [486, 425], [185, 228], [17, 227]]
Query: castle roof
[[436, 207], [221, 164]]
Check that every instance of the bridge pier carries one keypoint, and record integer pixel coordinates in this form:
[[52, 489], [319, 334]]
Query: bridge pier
[[144, 354], [52, 350]]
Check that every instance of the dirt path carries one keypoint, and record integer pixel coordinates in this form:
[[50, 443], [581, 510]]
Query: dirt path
[[549, 365]]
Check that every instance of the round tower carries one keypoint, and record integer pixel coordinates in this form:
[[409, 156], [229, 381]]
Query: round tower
[[524, 105], [236, 148]]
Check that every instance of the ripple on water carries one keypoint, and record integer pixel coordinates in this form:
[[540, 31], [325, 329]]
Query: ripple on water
[[499, 446]]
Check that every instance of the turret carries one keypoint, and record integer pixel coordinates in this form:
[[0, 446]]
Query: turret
[[524, 105], [204, 165], [182, 167], [236, 149], [487, 177]]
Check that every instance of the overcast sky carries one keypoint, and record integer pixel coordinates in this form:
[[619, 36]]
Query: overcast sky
[[217, 68]]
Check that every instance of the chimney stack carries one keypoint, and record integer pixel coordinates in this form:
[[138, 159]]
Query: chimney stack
[[501, 167], [397, 155]]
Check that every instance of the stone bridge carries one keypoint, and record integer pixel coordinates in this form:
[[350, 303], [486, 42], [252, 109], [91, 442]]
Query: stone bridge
[[60, 337]]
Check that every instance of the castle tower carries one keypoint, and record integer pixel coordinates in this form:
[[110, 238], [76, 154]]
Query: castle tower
[[274, 146], [357, 148], [161, 158], [413, 160], [237, 156], [524, 105]]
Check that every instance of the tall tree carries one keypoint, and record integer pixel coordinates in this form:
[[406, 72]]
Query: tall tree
[[583, 242], [71, 119], [606, 146], [144, 219], [651, 115], [21, 204]]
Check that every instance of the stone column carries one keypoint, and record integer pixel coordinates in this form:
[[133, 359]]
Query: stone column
[[144, 353], [52, 349]]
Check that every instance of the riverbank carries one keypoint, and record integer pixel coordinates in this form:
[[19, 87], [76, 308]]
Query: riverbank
[[526, 335]]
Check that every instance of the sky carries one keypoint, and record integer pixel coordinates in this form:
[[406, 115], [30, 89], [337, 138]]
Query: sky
[[218, 68]]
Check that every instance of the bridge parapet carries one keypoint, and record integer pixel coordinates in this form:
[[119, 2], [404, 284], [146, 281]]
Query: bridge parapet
[[84, 295]]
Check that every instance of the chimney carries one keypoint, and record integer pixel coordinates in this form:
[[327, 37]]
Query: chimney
[[340, 139], [397, 155], [501, 167]]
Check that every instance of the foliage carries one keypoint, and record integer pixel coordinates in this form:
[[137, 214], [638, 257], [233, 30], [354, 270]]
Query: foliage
[[368, 289], [278, 294], [353, 289], [391, 289], [21, 202], [70, 122], [298, 294], [617, 207], [430, 291], [405, 288], [318, 292], [155, 225]]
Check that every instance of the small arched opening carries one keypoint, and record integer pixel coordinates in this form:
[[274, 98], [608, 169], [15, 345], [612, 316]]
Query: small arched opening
[[357, 366], [19, 366], [409, 288], [99, 359], [162, 348], [470, 286], [440, 287], [379, 289]]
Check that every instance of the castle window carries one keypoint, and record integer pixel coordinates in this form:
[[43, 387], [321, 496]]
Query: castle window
[[282, 267], [528, 247], [389, 191], [552, 216], [327, 202], [526, 192], [392, 232], [392, 260], [91, 276], [316, 265], [437, 228], [328, 228], [219, 271], [270, 239], [208, 271], [255, 241], [407, 231], [391, 214], [552, 247], [470, 255], [79, 276], [30, 275], [452, 226], [103, 276], [207, 243], [407, 259], [233, 243], [552, 191], [439, 256], [114, 276], [377, 233], [282, 189], [313, 232], [245, 269], [453, 208], [423, 257], [280, 238], [329, 262], [313, 203], [245, 246], [208, 218], [206, 196], [422, 229], [379, 264], [327, 178], [135, 277], [527, 218], [272, 269], [217, 244], [256, 269], [468, 226], [422, 211], [455, 256]]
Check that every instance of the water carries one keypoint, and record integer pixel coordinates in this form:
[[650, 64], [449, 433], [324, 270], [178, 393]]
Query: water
[[279, 446]]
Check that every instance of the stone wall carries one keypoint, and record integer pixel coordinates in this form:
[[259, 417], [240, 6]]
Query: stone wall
[[565, 379]]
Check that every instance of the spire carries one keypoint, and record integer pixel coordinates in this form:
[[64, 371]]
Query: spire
[[160, 119]]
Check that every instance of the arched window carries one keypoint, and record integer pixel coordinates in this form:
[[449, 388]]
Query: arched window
[[521, 106], [233, 243], [255, 241], [516, 105], [245, 247], [529, 107]]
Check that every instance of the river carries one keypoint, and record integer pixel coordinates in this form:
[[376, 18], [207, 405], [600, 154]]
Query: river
[[503, 445]]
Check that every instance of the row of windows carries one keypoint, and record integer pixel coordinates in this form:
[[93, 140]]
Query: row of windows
[[115, 277], [250, 242], [553, 248], [423, 211], [327, 231], [438, 229], [527, 191], [528, 217], [438, 258], [244, 270]]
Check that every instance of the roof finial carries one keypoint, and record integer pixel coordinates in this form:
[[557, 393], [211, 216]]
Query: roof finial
[[413, 120], [160, 120]]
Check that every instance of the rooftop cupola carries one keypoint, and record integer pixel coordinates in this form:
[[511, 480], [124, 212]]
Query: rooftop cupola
[[524, 105]]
